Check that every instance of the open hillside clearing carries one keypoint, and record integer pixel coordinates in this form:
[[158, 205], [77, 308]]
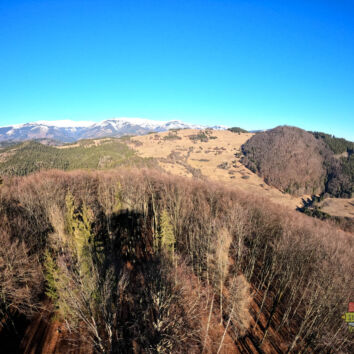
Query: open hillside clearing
[[216, 156], [338, 207]]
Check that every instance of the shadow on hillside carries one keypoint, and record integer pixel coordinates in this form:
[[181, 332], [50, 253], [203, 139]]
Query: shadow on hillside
[[128, 248], [307, 203]]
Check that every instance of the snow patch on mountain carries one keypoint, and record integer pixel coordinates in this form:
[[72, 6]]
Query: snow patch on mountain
[[63, 123], [69, 131]]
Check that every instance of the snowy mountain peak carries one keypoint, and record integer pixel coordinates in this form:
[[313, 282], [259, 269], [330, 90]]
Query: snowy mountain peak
[[69, 131], [63, 123]]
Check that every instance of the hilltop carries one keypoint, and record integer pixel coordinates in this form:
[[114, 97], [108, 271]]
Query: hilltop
[[299, 162]]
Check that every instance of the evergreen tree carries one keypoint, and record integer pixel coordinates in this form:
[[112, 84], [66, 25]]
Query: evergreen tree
[[167, 236], [69, 215], [82, 238], [51, 277], [78, 225]]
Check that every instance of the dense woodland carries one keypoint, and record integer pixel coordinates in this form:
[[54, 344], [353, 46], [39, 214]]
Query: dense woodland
[[137, 261], [337, 145], [299, 162], [28, 157], [344, 151]]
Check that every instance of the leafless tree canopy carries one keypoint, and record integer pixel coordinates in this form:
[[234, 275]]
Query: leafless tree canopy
[[294, 161], [137, 261]]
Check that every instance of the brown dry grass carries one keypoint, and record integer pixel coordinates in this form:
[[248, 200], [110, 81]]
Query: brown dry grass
[[175, 156], [338, 207]]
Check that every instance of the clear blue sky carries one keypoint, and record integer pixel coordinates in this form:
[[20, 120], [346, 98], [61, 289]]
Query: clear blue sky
[[254, 64]]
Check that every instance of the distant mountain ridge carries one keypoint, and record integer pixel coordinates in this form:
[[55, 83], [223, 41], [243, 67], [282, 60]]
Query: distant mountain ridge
[[69, 131]]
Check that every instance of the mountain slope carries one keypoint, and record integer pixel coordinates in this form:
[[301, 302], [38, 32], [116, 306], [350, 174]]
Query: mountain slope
[[69, 131], [28, 157], [211, 155], [294, 161]]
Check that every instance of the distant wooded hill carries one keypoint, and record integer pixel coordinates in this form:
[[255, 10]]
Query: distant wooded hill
[[29, 157], [300, 162]]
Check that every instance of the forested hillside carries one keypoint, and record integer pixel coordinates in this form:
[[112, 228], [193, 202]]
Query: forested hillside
[[29, 157], [337, 145], [344, 151], [299, 162], [141, 262]]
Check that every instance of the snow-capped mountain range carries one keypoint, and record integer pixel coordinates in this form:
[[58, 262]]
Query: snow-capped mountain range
[[70, 131]]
